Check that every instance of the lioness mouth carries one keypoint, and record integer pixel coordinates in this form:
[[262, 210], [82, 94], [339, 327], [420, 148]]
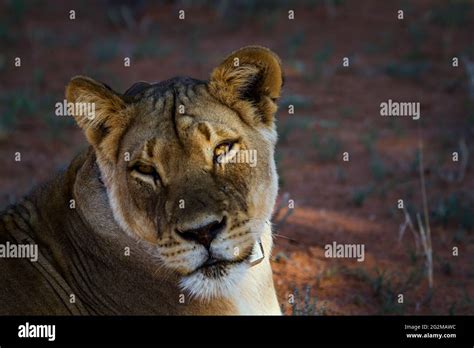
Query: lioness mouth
[[215, 264], [212, 264]]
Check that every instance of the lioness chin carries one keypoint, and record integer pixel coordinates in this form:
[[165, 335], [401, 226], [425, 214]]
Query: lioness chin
[[163, 213]]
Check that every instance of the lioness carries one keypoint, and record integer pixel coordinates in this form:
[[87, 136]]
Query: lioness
[[157, 216]]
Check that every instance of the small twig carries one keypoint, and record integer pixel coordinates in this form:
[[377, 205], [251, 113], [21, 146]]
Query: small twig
[[281, 205], [403, 227], [427, 250], [424, 231], [281, 220], [425, 234]]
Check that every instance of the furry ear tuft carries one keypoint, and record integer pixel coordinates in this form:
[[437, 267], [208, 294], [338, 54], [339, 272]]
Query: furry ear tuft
[[249, 81], [97, 109]]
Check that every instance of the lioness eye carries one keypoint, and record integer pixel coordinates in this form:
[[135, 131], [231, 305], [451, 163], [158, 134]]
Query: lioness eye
[[145, 169], [222, 149]]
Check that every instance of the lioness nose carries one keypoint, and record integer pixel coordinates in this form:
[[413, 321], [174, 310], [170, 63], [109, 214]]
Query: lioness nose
[[205, 234]]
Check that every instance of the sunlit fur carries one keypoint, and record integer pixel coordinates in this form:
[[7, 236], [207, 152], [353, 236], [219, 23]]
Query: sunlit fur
[[238, 104]]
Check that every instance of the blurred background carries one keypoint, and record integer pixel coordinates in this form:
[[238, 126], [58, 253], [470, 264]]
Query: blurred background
[[336, 110]]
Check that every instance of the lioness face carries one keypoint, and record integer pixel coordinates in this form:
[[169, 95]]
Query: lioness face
[[188, 165]]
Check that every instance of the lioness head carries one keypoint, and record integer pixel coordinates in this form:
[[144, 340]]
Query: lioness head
[[188, 165]]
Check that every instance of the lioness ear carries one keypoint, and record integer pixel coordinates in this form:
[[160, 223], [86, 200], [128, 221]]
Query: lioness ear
[[97, 109], [249, 81]]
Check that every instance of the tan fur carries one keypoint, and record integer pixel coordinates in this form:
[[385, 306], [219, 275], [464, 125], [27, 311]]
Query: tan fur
[[119, 207], [228, 80]]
